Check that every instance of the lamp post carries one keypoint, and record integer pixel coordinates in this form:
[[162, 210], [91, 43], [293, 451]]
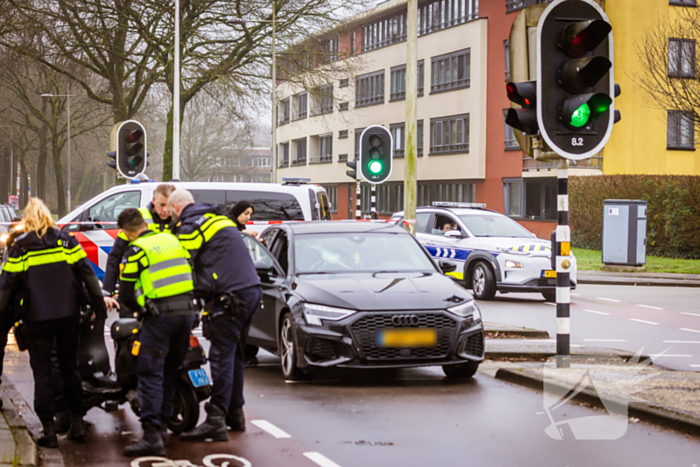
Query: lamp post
[[274, 84], [67, 96]]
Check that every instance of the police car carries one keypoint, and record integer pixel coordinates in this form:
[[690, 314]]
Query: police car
[[94, 224], [492, 252]]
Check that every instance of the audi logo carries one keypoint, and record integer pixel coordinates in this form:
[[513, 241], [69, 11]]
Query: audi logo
[[404, 320]]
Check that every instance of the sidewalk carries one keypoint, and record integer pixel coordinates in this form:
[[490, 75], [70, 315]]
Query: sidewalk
[[17, 447], [638, 278]]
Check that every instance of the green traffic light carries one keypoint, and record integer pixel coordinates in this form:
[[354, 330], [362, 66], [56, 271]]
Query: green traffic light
[[581, 116], [375, 167]]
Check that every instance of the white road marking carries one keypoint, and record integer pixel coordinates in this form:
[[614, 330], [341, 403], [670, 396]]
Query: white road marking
[[312, 381], [659, 355], [550, 303], [575, 294], [651, 307], [690, 314], [681, 342], [270, 428], [605, 340], [597, 312], [609, 299], [690, 330], [695, 366], [643, 321], [320, 459]]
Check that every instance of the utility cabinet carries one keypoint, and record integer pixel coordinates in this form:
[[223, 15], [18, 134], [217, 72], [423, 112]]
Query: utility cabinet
[[624, 232]]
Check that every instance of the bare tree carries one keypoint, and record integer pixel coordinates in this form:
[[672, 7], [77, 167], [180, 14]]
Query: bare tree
[[668, 59]]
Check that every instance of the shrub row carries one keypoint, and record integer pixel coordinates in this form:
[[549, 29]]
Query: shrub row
[[673, 210]]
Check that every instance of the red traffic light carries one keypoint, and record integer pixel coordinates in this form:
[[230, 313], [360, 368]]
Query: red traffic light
[[524, 94], [580, 37], [134, 136]]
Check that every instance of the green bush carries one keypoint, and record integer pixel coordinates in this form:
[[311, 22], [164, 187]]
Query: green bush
[[673, 210]]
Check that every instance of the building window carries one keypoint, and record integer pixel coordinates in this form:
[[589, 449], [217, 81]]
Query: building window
[[369, 89], [441, 14], [458, 191], [261, 162], [510, 141], [506, 52], [398, 134], [398, 81], [512, 196], [389, 198], [283, 116], [512, 5], [332, 48], [358, 133], [325, 148], [284, 162], [300, 105], [385, 31], [342, 157], [301, 151], [681, 58], [353, 40], [680, 130], [332, 192], [449, 135], [343, 106], [323, 100], [345, 82], [450, 71], [683, 2], [540, 198], [343, 134]]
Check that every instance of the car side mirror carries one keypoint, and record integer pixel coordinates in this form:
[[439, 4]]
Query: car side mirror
[[454, 234], [446, 267], [264, 270], [87, 227]]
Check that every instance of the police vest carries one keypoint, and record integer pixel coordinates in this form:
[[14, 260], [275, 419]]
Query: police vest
[[153, 226], [168, 272]]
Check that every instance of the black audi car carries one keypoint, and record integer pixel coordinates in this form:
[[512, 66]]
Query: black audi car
[[360, 295]]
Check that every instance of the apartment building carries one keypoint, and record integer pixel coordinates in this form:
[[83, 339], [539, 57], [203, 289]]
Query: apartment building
[[243, 165]]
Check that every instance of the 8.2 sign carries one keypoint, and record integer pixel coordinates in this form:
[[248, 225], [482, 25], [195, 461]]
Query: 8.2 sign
[[577, 141]]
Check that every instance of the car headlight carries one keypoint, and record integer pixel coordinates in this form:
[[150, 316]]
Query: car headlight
[[513, 252], [3, 238], [466, 309], [313, 314], [510, 264]]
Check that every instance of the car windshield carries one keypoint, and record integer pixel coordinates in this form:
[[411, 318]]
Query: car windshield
[[489, 225], [359, 252]]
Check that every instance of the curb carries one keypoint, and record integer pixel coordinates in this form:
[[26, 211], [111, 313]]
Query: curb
[[640, 282], [26, 453], [504, 332], [541, 356], [662, 416]]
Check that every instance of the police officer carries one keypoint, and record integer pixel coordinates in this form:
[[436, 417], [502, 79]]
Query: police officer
[[226, 278], [48, 271], [157, 219], [156, 275]]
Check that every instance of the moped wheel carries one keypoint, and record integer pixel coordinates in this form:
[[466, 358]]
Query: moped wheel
[[185, 409]]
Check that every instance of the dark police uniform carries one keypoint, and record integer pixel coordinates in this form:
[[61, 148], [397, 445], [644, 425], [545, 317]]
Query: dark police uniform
[[222, 266], [157, 273], [121, 243], [49, 276]]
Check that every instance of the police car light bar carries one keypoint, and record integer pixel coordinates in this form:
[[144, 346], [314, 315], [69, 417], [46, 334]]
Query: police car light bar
[[448, 204], [295, 181]]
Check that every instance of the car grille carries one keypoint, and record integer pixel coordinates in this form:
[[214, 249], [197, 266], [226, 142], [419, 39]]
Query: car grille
[[474, 345], [364, 329], [321, 349]]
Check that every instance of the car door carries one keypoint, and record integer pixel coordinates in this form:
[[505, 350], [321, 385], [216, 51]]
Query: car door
[[263, 330], [446, 248]]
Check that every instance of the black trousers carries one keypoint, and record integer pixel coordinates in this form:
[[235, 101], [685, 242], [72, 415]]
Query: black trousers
[[6, 323], [40, 339]]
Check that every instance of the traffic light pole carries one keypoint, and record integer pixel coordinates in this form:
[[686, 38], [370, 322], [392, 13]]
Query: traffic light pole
[[373, 205], [358, 199], [563, 264], [410, 160]]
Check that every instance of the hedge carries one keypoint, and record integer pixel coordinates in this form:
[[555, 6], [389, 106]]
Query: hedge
[[673, 210]]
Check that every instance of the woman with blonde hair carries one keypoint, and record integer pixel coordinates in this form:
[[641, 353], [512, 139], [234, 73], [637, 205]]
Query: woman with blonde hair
[[48, 273]]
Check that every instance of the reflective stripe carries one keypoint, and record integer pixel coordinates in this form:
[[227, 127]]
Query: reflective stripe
[[172, 280], [50, 256], [167, 264]]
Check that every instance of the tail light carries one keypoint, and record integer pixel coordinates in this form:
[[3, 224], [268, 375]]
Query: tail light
[[194, 342]]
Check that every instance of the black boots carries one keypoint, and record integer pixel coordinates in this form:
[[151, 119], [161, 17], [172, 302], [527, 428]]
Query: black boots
[[213, 428], [77, 427], [235, 419], [48, 438], [62, 422], [150, 445], [163, 430]]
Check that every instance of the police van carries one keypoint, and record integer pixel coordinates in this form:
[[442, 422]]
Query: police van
[[94, 223], [492, 252]]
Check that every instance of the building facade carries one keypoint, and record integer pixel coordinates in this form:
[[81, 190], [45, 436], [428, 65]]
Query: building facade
[[249, 165]]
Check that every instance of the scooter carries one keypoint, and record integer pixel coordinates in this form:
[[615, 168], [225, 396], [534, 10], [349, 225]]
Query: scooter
[[107, 390]]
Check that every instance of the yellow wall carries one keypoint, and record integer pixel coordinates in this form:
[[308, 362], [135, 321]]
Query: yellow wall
[[638, 141]]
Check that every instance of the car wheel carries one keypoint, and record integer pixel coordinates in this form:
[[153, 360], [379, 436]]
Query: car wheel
[[483, 282], [550, 295], [288, 349], [461, 370]]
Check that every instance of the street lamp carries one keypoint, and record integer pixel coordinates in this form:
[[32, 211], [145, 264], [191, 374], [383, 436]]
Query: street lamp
[[68, 96], [274, 84]]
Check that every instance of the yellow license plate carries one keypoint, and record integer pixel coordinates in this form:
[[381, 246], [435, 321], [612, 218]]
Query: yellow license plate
[[408, 337], [549, 274]]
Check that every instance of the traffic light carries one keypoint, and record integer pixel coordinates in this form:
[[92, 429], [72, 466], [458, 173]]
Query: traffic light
[[525, 95], [352, 173], [376, 159], [576, 87], [128, 148]]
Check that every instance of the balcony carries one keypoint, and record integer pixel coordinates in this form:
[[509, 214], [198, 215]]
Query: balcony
[[532, 165], [325, 159]]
